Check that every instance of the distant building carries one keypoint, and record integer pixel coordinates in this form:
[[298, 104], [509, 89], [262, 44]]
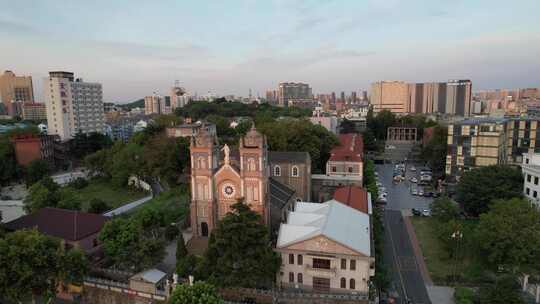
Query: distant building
[[531, 176], [73, 106], [191, 129], [153, 105], [34, 111], [330, 123], [390, 95], [458, 97], [293, 91], [75, 229], [15, 89], [31, 147], [179, 98], [326, 247]]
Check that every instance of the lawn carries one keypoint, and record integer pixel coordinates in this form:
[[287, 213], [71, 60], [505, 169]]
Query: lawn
[[104, 190], [174, 204], [439, 263]]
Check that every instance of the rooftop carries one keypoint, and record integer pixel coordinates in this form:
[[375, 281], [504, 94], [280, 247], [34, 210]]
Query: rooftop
[[278, 156], [332, 219], [354, 197], [351, 148]]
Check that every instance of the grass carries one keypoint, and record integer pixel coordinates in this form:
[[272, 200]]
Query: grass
[[104, 190], [440, 264], [173, 204]]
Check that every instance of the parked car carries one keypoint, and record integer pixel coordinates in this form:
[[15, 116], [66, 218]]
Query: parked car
[[421, 192], [416, 212], [379, 184], [414, 192], [428, 194], [414, 180], [382, 200], [426, 212], [413, 169], [382, 189]]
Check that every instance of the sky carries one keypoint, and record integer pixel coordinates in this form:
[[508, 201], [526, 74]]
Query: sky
[[137, 47]]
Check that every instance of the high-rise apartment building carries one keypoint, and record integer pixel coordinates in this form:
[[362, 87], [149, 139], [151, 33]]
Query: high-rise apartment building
[[153, 104], [458, 97], [390, 95], [72, 106], [293, 91], [15, 89], [179, 98], [34, 111]]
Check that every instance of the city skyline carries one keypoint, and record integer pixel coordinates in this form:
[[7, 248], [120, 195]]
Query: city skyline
[[228, 48]]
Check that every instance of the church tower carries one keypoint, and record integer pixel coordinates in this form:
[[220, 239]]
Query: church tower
[[204, 162], [254, 172]]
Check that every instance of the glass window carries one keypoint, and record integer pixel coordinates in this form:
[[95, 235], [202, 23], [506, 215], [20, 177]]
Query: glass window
[[535, 194], [527, 191], [277, 171], [353, 264], [321, 263], [536, 180], [333, 169], [291, 258], [343, 264], [350, 169], [300, 259], [300, 278], [343, 283], [291, 277], [352, 284], [529, 178], [294, 171]]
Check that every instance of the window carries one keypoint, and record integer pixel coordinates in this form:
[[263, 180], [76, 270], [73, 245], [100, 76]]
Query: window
[[526, 160], [529, 178], [527, 191], [291, 258], [277, 171], [353, 264], [536, 180], [201, 162], [321, 263], [251, 164], [352, 284], [535, 194], [333, 169], [343, 283], [300, 278], [350, 169], [291, 277], [300, 259], [343, 264], [294, 171]]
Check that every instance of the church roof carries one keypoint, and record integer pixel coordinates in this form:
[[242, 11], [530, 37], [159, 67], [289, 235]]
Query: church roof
[[280, 194], [332, 219], [279, 156]]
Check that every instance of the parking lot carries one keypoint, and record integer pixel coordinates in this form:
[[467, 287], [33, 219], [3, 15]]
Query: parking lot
[[399, 195]]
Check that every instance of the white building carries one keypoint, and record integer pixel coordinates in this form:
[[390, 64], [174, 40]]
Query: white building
[[326, 247], [329, 122], [72, 105], [531, 176]]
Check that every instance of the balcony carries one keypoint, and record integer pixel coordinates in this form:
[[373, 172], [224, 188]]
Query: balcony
[[320, 272]]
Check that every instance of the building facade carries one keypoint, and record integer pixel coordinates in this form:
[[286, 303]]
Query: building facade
[[73, 106], [326, 247], [531, 176], [294, 170], [458, 97], [390, 95], [347, 159], [15, 89], [191, 129], [34, 111], [288, 91]]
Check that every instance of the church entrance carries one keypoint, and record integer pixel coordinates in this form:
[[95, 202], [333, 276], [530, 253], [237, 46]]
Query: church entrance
[[204, 229]]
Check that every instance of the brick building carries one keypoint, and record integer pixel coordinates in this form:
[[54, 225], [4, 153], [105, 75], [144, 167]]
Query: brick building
[[31, 147]]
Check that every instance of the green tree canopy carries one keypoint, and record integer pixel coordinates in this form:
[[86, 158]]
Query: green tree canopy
[[434, 152], [200, 293], [36, 170], [239, 251], [444, 209], [478, 187], [505, 290], [9, 169], [42, 194], [509, 234]]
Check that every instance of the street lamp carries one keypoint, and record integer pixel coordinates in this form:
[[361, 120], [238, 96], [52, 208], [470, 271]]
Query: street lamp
[[457, 236]]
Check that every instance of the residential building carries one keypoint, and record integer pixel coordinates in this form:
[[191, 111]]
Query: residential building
[[15, 89], [346, 160], [153, 105], [390, 95], [521, 135], [288, 91], [458, 97], [75, 229], [326, 247], [531, 176], [179, 97], [329, 122], [191, 129], [32, 147], [72, 106], [34, 111]]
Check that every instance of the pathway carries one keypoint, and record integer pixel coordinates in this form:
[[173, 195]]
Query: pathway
[[127, 207]]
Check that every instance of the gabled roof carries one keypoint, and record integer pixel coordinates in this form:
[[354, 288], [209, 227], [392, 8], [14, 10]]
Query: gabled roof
[[61, 223], [151, 275], [332, 219], [351, 148], [280, 194], [289, 156], [354, 197]]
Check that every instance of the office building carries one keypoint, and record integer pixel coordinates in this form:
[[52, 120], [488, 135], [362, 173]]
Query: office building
[[72, 105], [34, 111], [293, 91], [15, 89], [390, 95]]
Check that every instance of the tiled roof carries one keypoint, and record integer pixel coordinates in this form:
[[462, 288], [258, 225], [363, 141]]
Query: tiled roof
[[351, 148], [65, 224], [278, 156], [280, 194], [354, 197]]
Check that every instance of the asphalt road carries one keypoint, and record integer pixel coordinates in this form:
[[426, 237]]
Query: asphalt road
[[398, 252]]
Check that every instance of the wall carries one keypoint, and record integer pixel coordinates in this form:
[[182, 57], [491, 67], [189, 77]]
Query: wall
[[27, 150]]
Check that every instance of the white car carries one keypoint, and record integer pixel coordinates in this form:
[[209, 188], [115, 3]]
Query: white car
[[413, 169], [426, 212], [379, 184], [421, 192], [382, 189], [414, 180]]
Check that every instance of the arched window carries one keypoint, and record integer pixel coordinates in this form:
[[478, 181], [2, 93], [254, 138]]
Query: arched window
[[291, 277], [251, 164], [201, 163], [352, 284], [295, 171], [277, 171], [343, 283], [300, 278]]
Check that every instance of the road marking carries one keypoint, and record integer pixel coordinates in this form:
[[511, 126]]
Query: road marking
[[395, 258]]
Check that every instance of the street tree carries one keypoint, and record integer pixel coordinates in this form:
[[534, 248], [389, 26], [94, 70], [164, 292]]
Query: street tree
[[478, 187], [239, 251], [200, 293]]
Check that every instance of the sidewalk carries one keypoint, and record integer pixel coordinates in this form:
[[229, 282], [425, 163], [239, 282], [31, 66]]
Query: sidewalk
[[417, 251]]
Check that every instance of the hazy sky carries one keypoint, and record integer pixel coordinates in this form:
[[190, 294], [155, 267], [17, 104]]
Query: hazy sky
[[136, 47]]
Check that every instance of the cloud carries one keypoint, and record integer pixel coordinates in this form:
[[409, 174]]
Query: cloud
[[165, 53]]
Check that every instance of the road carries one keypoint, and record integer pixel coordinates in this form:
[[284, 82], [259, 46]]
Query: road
[[398, 251], [127, 207]]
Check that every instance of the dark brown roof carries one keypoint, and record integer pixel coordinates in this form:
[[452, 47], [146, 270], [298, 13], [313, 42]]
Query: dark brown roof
[[354, 197], [61, 223]]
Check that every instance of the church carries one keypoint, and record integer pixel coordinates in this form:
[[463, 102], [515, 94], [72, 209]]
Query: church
[[269, 182]]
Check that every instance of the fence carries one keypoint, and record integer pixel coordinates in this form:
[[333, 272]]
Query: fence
[[123, 288]]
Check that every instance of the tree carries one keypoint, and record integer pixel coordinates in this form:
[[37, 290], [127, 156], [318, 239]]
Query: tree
[[98, 206], [200, 292], [40, 195], [8, 163], [73, 266], [463, 295], [444, 209], [509, 234], [36, 170], [477, 188], [434, 152], [69, 199], [181, 250], [239, 251], [506, 290], [28, 264]]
